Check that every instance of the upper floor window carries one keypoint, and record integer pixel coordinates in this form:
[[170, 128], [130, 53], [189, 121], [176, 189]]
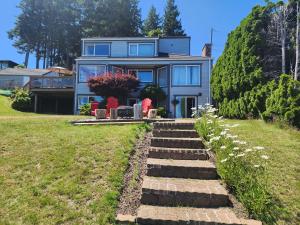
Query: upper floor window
[[141, 49], [162, 77], [97, 49], [88, 71], [186, 75]]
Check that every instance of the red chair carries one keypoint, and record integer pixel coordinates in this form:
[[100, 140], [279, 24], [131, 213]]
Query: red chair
[[146, 106], [112, 103], [94, 106]]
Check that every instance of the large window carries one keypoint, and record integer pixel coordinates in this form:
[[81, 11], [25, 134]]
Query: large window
[[84, 99], [88, 71], [97, 49], [163, 77], [186, 75], [145, 76], [141, 49]]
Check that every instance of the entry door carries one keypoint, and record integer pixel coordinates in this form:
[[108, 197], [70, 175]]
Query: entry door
[[184, 106]]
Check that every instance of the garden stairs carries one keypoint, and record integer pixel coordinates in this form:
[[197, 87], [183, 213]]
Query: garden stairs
[[181, 185]]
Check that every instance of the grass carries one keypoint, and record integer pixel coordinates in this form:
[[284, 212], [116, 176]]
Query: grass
[[283, 170], [52, 172], [6, 110]]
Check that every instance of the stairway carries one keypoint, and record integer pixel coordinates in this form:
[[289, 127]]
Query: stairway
[[181, 185]]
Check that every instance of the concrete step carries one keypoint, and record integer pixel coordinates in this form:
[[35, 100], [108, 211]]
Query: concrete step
[[193, 143], [173, 126], [175, 133], [157, 215], [192, 169], [177, 153], [183, 192]]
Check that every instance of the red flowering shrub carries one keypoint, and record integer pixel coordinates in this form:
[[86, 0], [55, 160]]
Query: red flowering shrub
[[117, 85]]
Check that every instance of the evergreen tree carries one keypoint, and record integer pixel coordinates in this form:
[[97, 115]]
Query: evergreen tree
[[172, 24], [152, 22]]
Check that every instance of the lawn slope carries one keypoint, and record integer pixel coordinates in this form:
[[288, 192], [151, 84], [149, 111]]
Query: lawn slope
[[283, 147], [52, 172], [6, 110]]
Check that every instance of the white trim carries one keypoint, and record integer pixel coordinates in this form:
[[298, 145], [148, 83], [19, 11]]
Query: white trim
[[186, 66]]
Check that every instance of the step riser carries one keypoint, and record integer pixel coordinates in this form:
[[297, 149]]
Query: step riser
[[143, 221], [179, 155], [171, 143], [182, 172], [173, 126], [170, 198], [175, 133]]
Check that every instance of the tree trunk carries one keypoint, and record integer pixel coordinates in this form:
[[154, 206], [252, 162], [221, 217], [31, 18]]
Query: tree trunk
[[283, 38], [297, 44], [26, 59], [38, 57]]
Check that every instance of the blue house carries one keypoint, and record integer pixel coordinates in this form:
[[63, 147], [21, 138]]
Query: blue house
[[163, 61]]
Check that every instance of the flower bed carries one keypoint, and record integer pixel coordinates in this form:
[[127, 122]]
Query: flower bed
[[241, 167]]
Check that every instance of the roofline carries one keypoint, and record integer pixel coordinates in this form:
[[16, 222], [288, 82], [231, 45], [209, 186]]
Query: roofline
[[186, 58], [134, 38]]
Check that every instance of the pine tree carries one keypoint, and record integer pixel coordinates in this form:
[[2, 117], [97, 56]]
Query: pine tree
[[152, 22], [172, 24]]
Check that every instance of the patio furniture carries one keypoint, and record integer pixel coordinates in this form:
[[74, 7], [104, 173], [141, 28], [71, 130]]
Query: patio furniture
[[112, 103], [113, 114], [146, 106], [125, 111], [137, 112], [94, 106], [100, 113], [152, 113]]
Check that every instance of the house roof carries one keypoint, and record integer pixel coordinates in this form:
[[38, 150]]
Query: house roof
[[146, 59], [23, 72], [130, 38]]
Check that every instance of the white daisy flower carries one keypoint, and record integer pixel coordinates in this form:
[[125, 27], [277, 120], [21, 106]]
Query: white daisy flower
[[264, 157]]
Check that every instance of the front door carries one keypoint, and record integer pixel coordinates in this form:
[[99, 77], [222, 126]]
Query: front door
[[184, 105]]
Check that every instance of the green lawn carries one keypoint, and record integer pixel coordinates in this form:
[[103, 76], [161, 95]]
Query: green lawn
[[6, 110], [283, 147], [52, 172]]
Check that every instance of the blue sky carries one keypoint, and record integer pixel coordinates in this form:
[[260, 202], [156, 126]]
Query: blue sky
[[197, 16]]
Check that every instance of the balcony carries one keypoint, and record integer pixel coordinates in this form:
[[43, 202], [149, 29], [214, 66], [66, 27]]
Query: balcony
[[51, 83]]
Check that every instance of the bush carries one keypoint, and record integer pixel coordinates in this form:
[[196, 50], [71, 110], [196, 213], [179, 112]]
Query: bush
[[241, 167], [153, 92], [22, 100], [116, 85], [85, 109], [161, 111], [284, 103]]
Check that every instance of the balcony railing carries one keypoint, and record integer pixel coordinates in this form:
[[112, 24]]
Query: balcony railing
[[51, 82]]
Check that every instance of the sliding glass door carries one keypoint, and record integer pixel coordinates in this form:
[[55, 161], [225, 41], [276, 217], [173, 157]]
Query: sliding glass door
[[184, 105]]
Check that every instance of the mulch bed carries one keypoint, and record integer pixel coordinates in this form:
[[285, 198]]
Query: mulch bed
[[132, 190]]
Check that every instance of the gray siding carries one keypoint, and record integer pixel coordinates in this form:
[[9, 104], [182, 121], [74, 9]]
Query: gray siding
[[119, 49], [180, 46]]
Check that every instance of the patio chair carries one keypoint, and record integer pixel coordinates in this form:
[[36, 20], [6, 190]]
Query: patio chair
[[94, 106], [112, 103], [146, 106]]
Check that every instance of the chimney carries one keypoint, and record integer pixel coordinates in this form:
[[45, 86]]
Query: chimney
[[206, 50]]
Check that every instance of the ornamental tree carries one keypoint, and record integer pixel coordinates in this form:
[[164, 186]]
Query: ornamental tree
[[118, 85]]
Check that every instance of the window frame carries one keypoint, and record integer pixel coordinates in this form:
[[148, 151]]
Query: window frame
[[138, 70], [157, 78], [94, 44], [88, 96], [186, 69], [78, 79], [138, 48]]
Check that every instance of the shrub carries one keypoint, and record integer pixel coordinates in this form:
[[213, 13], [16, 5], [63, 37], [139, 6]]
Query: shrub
[[21, 100], [117, 85], [284, 103], [161, 111], [241, 167], [153, 92], [85, 109]]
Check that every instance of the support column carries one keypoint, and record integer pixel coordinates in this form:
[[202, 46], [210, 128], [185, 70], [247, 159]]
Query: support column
[[35, 103]]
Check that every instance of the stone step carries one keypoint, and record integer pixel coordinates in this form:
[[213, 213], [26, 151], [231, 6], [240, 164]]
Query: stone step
[[173, 126], [176, 133], [183, 192], [177, 153], [193, 143], [192, 169], [157, 215]]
